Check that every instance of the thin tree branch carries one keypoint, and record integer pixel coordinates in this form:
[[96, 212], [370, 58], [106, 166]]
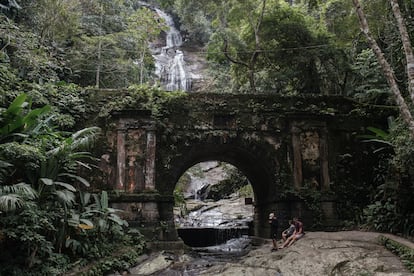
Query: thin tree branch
[[386, 68], [226, 54], [407, 46]]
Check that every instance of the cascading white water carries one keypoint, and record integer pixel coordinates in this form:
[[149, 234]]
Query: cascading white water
[[169, 62]]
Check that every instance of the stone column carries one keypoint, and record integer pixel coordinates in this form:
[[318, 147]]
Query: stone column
[[150, 160], [297, 158], [121, 155], [325, 185]]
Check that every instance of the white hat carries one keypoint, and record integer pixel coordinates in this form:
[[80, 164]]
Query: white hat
[[271, 215]]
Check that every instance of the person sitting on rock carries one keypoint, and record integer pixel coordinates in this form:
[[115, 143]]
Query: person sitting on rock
[[289, 231], [274, 224], [297, 234]]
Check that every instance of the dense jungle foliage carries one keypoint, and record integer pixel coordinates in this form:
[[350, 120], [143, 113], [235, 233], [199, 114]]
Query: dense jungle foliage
[[52, 51]]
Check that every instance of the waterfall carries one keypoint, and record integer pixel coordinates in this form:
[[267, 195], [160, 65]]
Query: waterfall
[[169, 61]]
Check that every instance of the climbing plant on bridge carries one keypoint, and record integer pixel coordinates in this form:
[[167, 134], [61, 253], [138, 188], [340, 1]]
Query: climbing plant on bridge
[[143, 97]]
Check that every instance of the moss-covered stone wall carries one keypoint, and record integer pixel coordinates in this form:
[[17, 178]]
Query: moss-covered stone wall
[[292, 149]]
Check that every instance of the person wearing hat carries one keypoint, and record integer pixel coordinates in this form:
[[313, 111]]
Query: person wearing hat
[[274, 224]]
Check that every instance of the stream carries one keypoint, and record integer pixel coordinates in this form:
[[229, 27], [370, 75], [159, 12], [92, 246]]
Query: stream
[[196, 261], [201, 259]]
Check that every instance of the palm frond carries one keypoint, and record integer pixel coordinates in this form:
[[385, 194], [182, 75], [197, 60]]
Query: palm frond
[[84, 137], [21, 189], [77, 141], [13, 197], [84, 165], [370, 140], [10, 202], [86, 132]]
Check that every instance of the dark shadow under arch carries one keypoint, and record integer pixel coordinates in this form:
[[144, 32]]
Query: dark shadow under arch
[[253, 165]]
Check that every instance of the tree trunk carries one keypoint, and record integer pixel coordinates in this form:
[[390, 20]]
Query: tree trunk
[[252, 80], [407, 46], [386, 68], [98, 66], [141, 69]]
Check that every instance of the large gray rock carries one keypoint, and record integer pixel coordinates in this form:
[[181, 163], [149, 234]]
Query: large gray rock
[[347, 253], [319, 253]]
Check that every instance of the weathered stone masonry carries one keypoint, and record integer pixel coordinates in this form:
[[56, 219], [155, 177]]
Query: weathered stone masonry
[[282, 144]]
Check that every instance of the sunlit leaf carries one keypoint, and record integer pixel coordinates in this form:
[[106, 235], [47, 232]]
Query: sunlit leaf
[[85, 226]]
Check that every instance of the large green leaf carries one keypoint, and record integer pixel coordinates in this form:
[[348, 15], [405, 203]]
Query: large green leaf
[[14, 117], [65, 185], [74, 220], [379, 132], [16, 106], [31, 118], [65, 196], [85, 198], [77, 178], [46, 181], [115, 218], [104, 200]]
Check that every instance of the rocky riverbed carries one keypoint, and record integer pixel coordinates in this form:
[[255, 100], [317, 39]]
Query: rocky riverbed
[[348, 253], [318, 253]]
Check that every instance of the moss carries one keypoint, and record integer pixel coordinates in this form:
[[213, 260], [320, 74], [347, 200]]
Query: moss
[[405, 253]]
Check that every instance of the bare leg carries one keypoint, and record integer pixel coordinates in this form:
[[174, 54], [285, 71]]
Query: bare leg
[[292, 240], [286, 243]]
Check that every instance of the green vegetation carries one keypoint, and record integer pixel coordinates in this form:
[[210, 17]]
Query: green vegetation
[[47, 219], [246, 191], [53, 51], [235, 181], [404, 252]]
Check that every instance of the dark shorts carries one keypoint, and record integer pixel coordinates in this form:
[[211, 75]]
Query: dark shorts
[[273, 234]]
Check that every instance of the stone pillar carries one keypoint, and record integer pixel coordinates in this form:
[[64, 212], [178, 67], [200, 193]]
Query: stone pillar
[[297, 158], [325, 185], [120, 159], [150, 160], [131, 182]]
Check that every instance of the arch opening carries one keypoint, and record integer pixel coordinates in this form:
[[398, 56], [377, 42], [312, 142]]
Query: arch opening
[[213, 205], [257, 162]]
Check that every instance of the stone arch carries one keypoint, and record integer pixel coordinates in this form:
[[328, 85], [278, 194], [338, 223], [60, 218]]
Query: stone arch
[[257, 160]]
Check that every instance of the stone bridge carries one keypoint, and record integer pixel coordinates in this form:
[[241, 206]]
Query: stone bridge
[[285, 146]]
